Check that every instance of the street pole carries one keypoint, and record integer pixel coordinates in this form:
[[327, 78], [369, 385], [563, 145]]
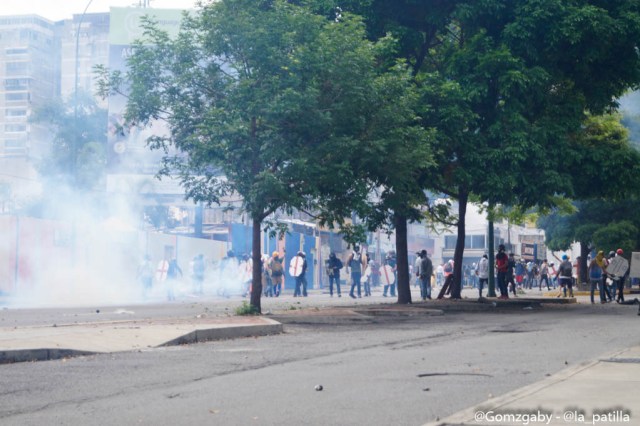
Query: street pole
[[492, 282], [76, 142]]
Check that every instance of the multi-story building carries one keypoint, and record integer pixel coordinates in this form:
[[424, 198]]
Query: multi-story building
[[29, 54], [85, 44]]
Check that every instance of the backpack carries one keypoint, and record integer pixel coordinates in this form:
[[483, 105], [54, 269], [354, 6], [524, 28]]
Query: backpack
[[565, 269], [276, 267], [355, 263]]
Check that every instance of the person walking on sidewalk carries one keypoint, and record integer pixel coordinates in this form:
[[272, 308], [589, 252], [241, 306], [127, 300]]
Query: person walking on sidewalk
[[565, 276], [596, 274], [483, 273]]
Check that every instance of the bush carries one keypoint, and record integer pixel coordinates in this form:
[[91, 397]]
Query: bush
[[246, 309]]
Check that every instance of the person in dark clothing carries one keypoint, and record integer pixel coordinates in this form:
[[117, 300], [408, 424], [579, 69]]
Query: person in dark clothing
[[333, 270], [511, 265]]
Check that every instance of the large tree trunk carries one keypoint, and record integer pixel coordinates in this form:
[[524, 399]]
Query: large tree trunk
[[256, 256], [456, 288], [402, 258]]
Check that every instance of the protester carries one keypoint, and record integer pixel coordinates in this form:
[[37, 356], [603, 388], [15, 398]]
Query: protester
[[390, 259], [197, 274], [357, 263], [333, 270], [502, 265], [276, 270], [511, 264], [301, 279], [596, 274], [145, 274], [565, 276], [483, 273], [172, 278], [619, 281], [544, 275], [425, 271]]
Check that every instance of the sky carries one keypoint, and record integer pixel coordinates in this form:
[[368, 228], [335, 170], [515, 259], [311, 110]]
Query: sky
[[55, 10]]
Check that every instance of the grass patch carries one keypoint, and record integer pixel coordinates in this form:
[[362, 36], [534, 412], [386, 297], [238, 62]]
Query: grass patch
[[246, 309]]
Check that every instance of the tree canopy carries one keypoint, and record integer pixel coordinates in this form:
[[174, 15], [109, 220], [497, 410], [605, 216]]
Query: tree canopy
[[508, 85], [267, 100]]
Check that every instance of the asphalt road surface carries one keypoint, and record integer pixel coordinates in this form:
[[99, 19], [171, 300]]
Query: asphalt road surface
[[381, 370]]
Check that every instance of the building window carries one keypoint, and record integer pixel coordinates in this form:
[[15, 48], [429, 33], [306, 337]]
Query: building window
[[450, 242], [17, 68], [16, 83], [472, 242], [16, 51], [15, 113], [478, 242], [15, 127], [9, 97]]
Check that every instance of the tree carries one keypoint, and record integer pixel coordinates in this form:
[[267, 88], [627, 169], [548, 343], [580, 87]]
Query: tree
[[78, 155], [264, 99], [606, 182], [508, 87]]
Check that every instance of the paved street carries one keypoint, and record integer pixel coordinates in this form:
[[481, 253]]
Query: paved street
[[375, 369]]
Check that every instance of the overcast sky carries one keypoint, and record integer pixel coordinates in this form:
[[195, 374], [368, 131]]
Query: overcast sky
[[61, 9]]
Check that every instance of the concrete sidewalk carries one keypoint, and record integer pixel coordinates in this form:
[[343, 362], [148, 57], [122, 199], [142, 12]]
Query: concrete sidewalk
[[39, 343], [615, 377]]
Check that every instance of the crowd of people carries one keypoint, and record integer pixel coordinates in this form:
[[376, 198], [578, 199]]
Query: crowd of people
[[361, 272]]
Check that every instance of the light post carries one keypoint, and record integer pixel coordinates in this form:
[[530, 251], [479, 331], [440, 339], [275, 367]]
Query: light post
[[76, 142]]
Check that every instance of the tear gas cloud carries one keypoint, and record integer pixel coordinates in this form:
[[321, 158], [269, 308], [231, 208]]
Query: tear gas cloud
[[90, 254]]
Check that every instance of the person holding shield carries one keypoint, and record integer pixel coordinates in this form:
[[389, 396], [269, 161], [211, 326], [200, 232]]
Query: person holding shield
[[298, 270], [388, 274]]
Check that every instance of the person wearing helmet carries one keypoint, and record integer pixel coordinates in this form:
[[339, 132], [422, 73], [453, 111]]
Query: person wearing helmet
[[565, 276], [276, 270]]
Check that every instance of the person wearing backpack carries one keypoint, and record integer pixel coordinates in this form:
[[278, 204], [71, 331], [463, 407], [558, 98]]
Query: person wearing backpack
[[277, 272], [333, 270], [565, 276]]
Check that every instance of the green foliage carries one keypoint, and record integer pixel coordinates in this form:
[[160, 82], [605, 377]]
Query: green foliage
[[615, 235], [246, 309], [78, 150]]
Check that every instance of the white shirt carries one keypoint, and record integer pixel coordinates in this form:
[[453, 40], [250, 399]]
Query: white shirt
[[483, 268]]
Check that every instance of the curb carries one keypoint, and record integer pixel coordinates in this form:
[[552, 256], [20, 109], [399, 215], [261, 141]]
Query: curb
[[467, 416], [230, 332], [92, 333]]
